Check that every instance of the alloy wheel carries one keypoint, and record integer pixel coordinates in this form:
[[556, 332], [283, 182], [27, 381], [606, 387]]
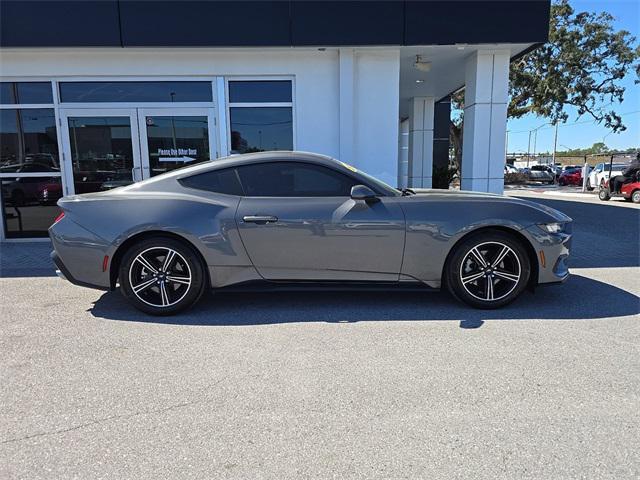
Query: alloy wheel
[[160, 277], [490, 271]]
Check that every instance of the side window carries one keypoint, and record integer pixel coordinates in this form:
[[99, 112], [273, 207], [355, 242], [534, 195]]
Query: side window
[[292, 179], [218, 181]]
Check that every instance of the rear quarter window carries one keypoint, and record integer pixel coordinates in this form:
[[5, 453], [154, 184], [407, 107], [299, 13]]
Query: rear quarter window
[[217, 181]]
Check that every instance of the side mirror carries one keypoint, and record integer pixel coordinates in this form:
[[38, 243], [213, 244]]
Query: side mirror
[[362, 192]]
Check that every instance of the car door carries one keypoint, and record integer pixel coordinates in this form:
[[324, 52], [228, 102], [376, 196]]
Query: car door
[[297, 221]]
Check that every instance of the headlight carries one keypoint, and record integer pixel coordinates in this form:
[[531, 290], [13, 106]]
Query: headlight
[[552, 227]]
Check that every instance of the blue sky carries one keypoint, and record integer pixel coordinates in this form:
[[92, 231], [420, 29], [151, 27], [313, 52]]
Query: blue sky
[[582, 132]]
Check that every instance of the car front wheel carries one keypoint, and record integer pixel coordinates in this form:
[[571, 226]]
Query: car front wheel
[[603, 194], [488, 270], [161, 276]]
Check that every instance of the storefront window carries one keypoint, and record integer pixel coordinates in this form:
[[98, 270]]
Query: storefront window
[[30, 178], [258, 129], [29, 204], [260, 115], [259, 91], [27, 136], [90, 92], [25, 92]]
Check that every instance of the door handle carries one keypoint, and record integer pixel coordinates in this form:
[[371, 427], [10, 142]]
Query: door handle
[[260, 219]]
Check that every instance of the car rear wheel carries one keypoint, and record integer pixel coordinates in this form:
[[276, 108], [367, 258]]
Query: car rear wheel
[[488, 270], [161, 276], [635, 196]]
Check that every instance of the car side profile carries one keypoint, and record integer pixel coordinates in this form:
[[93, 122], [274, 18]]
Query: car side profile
[[294, 218], [602, 172]]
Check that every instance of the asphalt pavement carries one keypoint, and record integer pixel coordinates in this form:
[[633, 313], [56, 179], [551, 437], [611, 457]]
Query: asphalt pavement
[[329, 385]]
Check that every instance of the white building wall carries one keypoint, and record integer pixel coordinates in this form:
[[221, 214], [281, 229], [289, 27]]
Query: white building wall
[[376, 111], [374, 91]]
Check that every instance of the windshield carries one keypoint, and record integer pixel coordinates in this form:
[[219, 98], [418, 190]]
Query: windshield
[[378, 185], [616, 166]]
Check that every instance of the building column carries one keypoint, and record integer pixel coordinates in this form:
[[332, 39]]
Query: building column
[[403, 154], [346, 106], [441, 123], [421, 142], [485, 121]]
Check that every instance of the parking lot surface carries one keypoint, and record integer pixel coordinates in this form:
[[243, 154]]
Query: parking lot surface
[[329, 385]]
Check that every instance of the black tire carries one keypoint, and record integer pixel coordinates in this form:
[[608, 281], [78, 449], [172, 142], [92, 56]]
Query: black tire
[[589, 187], [462, 265], [603, 194], [635, 196], [171, 288]]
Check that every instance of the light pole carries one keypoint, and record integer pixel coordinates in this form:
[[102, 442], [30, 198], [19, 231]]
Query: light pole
[[555, 144]]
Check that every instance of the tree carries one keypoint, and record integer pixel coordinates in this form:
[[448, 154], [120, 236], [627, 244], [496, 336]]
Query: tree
[[581, 66]]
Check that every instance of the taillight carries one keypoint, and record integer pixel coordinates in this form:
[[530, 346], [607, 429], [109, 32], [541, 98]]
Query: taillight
[[58, 218]]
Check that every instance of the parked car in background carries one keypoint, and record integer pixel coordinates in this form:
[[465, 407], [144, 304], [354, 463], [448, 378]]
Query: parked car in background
[[557, 170], [600, 174], [510, 169], [541, 173], [571, 176], [22, 190]]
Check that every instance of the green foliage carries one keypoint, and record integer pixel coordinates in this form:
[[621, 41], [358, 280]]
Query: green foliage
[[596, 148], [581, 66]]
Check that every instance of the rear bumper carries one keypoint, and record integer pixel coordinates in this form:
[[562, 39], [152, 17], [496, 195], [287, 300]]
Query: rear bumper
[[79, 254], [64, 273]]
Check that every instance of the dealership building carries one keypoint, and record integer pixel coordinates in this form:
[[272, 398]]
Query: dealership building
[[97, 94]]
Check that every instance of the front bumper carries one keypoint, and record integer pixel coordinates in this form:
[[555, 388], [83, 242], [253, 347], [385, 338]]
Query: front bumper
[[552, 251]]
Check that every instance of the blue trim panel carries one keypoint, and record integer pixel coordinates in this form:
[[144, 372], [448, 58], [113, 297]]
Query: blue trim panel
[[188, 23], [217, 23], [89, 23], [475, 21]]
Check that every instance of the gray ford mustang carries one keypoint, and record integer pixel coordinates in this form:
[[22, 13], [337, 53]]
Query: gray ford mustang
[[294, 218]]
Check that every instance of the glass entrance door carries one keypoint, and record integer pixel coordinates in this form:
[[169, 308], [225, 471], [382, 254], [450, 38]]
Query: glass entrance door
[[101, 147], [109, 148], [173, 138]]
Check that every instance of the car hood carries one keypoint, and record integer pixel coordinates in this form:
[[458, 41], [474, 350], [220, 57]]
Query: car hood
[[463, 195]]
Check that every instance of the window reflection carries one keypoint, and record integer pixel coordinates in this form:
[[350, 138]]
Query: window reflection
[[136, 92], [25, 92], [101, 153], [253, 91], [176, 141], [28, 136], [29, 205], [258, 129]]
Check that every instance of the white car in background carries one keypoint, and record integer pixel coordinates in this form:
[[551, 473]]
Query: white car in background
[[601, 174]]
